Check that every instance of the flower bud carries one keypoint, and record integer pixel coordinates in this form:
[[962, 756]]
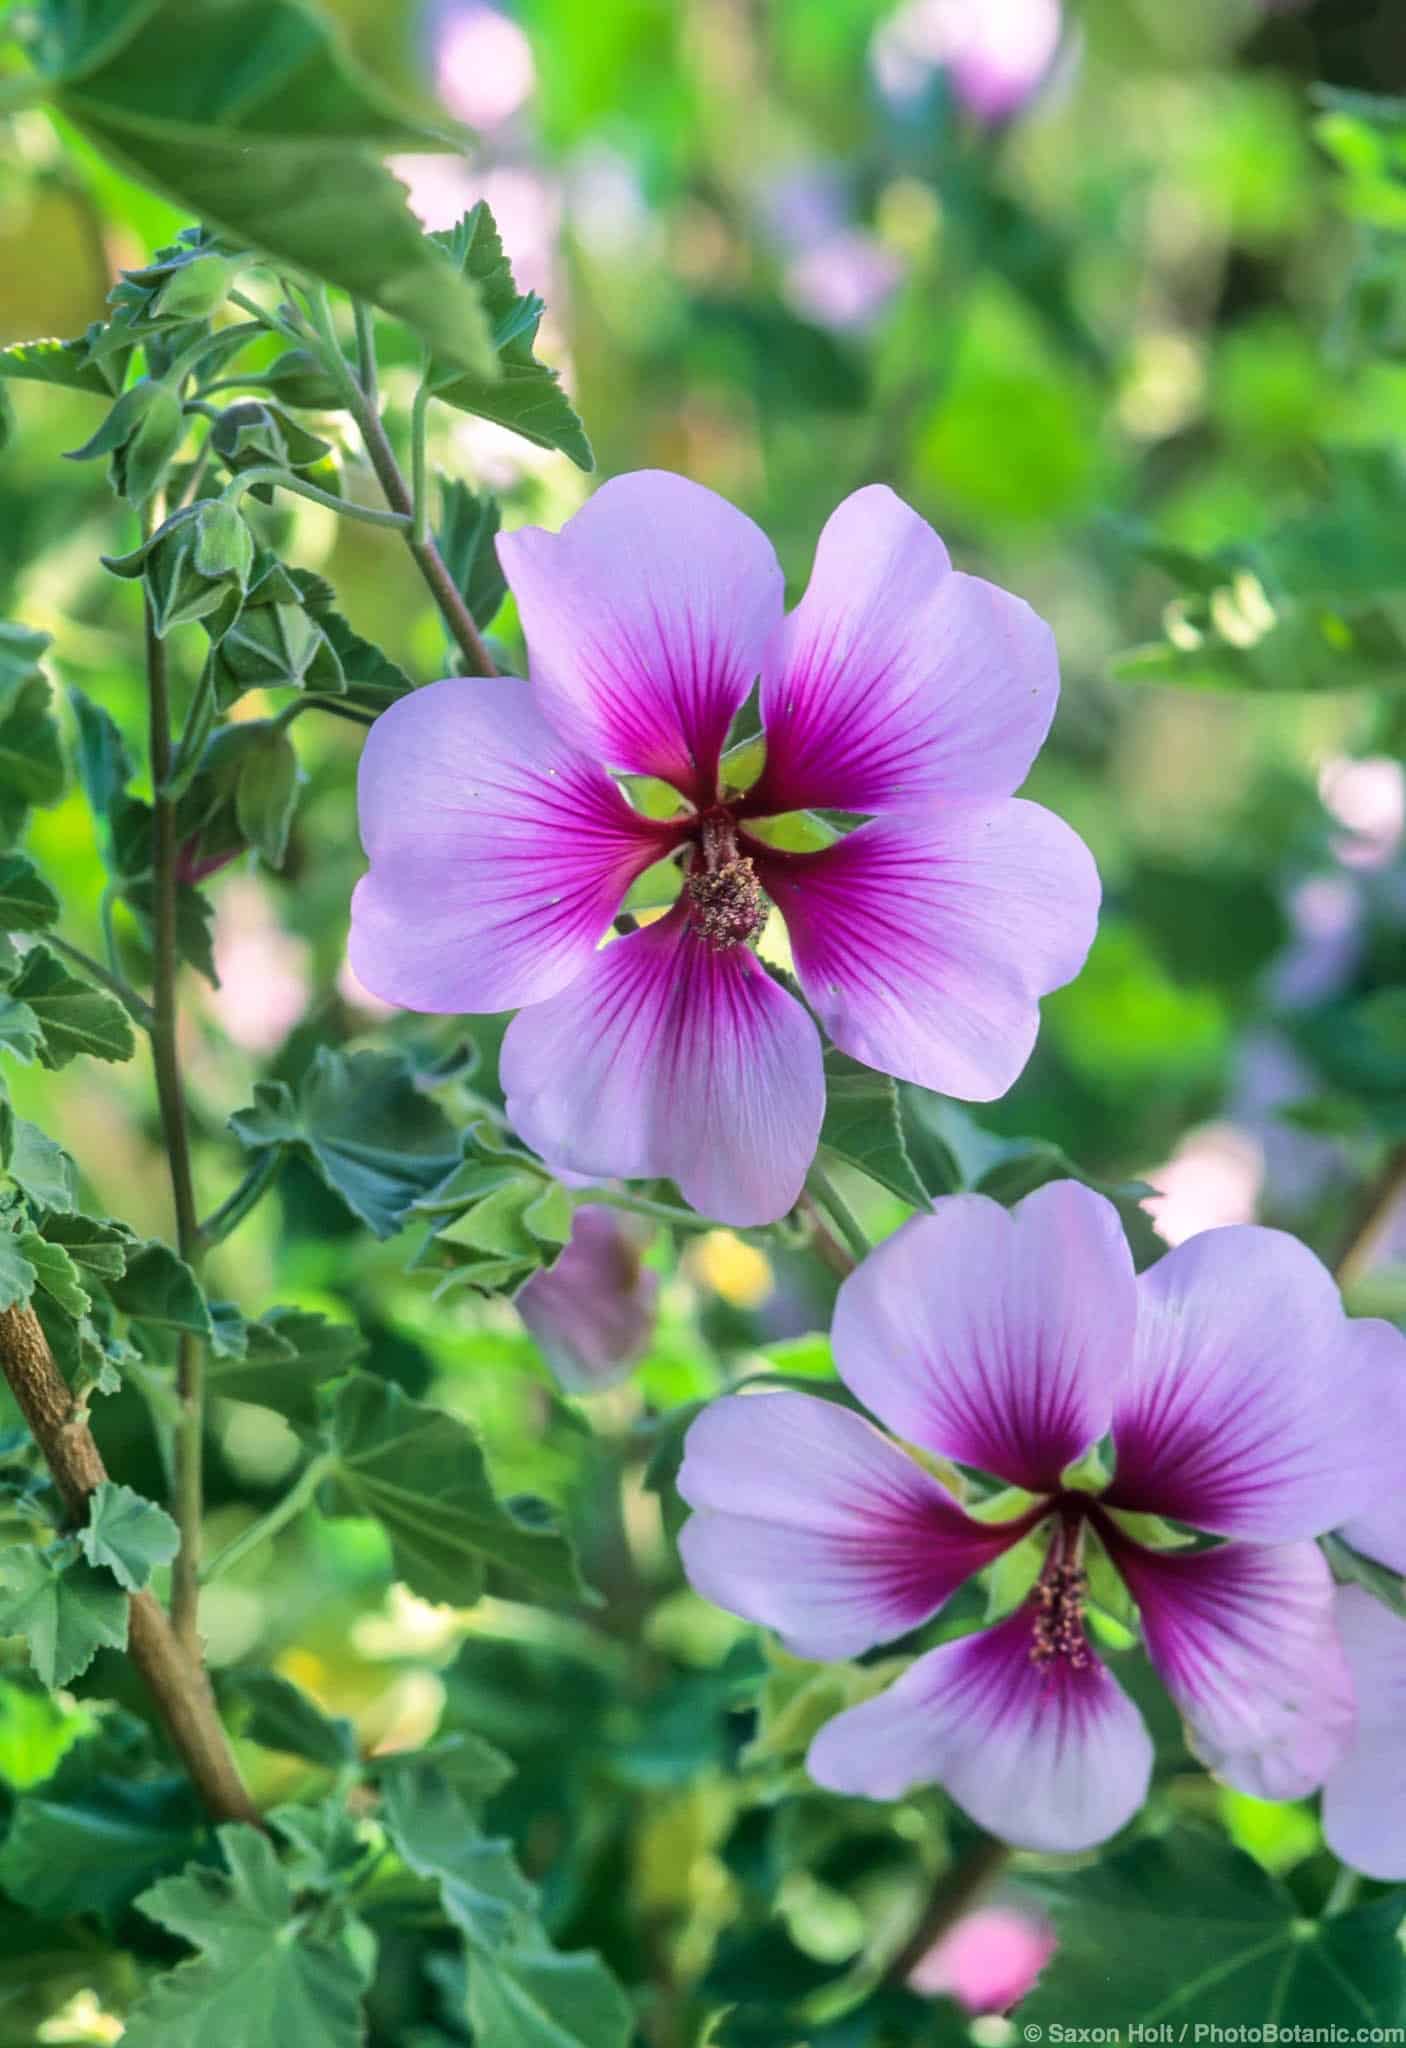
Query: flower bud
[[193, 289], [141, 434], [224, 546]]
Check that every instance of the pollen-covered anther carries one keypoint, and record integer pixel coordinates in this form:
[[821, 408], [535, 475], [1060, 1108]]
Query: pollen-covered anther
[[727, 904], [1059, 1617]]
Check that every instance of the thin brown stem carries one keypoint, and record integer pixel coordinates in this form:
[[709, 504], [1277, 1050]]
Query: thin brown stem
[[190, 1360], [827, 1246], [954, 1897], [1374, 1210], [362, 406], [178, 1686]]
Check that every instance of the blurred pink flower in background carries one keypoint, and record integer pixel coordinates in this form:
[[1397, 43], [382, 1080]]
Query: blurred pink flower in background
[[1367, 797], [837, 273], [996, 53], [482, 62], [1213, 1178], [592, 1314], [989, 1961], [264, 984], [845, 282]]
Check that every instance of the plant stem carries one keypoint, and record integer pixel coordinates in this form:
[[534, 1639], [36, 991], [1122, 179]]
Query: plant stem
[[823, 1189], [190, 1362], [828, 1248], [136, 1006], [640, 1205], [365, 347], [270, 473], [338, 709], [1374, 1210], [431, 564], [963, 1886], [177, 1686], [236, 1206], [283, 1511], [419, 487], [1346, 1886]]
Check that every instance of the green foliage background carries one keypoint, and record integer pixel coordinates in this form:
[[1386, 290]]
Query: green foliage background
[[1144, 361]]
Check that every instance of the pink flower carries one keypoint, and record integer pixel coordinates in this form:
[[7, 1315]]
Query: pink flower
[[501, 848], [592, 1313], [1240, 1401], [1364, 1801], [988, 1962], [996, 53]]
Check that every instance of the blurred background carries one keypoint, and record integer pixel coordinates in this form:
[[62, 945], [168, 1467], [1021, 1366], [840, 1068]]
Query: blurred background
[[1106, 291]]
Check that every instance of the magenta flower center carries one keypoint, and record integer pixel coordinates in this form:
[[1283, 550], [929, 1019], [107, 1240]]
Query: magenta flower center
[[1060, 1593], [725, 901]]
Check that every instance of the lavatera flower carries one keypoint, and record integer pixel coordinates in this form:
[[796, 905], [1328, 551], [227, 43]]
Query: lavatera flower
[[1240, 1402], [899, 692]]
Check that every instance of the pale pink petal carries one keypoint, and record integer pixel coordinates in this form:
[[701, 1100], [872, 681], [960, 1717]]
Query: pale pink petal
[[988, 1962], [1381, 1532], [1052, 1758], [994, 1336], [896, 680], [1364, 1802], [498, 854], [924, 946], [1254, 1407], [592, 1313], [1245, 1641], [645, 619], [809, 1521], [670, 1058]]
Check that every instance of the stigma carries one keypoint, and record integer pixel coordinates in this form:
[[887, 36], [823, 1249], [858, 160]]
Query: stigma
[[726, 904], [1058, 1636]]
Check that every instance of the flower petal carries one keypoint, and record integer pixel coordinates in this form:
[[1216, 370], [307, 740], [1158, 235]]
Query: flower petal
[[498, 854], [646, 618], [1244, 1639], [1052, 1758], [1253, 1407], [896, 680], [994, 1336], [667, 1057], [1381, 1532], [923, 946], [592, 1313], [988, 1961], [809, 1521], [1364, 1802]]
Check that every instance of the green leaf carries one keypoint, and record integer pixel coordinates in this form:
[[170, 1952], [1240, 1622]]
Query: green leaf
[[376, 1140], [127, 1534], [31, 755], [284, 1359], [420, 1472], [266, 795], [27, 903], [472, 1768], [862, 1126], [539, 1998], [282, 1717], [68, 363], [56, 1273], [16, 1273], [66, 1607], [75, 1016], [371, 678], [37, 1164], [467, 529], [522, 1993], [95, 1246], [159, 1287], [268, 1974], [484, 1893], [1201, 1932], [265, 130], [89, 1842], [525, 396], [20, 1030]]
